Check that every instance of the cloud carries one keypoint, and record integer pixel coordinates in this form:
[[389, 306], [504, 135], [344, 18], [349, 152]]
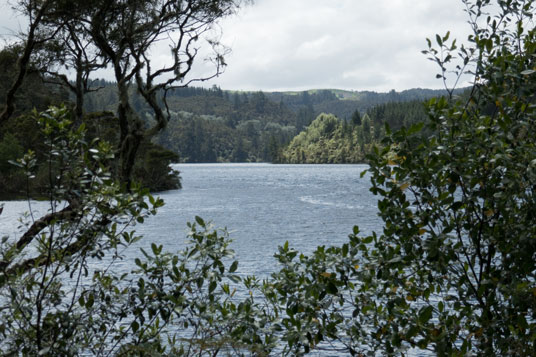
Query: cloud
[[368, 44], [10, 22], [348, 44]]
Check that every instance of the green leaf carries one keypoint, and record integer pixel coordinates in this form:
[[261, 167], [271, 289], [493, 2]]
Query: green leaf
[[200, 221], [331, 288], [212, 286], [235, 279], [90, 301], [233, 267], [368, 240], [135, 326], [425, 314]]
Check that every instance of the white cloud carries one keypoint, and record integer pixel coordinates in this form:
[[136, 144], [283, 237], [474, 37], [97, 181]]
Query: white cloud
[[350, 44], [366, 44]]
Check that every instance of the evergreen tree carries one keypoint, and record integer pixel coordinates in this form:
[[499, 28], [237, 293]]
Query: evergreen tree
[[356, 118]]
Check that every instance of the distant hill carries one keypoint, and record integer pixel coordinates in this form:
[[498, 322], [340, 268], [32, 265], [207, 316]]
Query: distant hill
[[215, 125], [342, 103]]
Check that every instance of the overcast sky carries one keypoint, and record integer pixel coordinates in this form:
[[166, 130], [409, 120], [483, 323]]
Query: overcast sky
[[346, 44]]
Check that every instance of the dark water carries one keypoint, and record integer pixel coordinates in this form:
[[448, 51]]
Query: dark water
[[264, 205]]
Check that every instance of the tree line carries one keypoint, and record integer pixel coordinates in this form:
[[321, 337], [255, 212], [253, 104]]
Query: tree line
[[214, 125], [329, 139]]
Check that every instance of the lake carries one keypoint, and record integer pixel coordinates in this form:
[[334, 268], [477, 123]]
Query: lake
[[262, 205]]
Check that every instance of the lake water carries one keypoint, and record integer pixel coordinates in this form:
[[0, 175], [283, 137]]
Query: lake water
[[262, 205]]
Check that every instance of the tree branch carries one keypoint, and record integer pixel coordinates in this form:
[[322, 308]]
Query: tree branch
[[68, 213]]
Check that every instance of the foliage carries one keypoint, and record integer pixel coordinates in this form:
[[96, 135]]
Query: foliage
[[10, 150], [23, 134], [452, 272], [33, 93], [331, 140], [458, 207], [153, 168], [326, 140], [226, 132], [343, 104], [212, 125], [85, 36], [64, 289], [315, 298], [397, 115], [39, 313]]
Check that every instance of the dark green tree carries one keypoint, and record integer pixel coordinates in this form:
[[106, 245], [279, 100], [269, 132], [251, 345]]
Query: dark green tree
[[273, 149], [120, 34], [239, 153], [153, 168], [356, 118]]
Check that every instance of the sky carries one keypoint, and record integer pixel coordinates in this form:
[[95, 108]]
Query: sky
[[344, 44]]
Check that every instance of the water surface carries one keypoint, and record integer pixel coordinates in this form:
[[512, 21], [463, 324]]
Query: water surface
[[262, 205]]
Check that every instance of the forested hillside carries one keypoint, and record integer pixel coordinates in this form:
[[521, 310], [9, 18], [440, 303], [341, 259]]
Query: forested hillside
[[215, 125], [218, 126], [22, 132], [343, 103], [332, 140]]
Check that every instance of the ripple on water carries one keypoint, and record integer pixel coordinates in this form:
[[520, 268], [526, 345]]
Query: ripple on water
[[263, 205]]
